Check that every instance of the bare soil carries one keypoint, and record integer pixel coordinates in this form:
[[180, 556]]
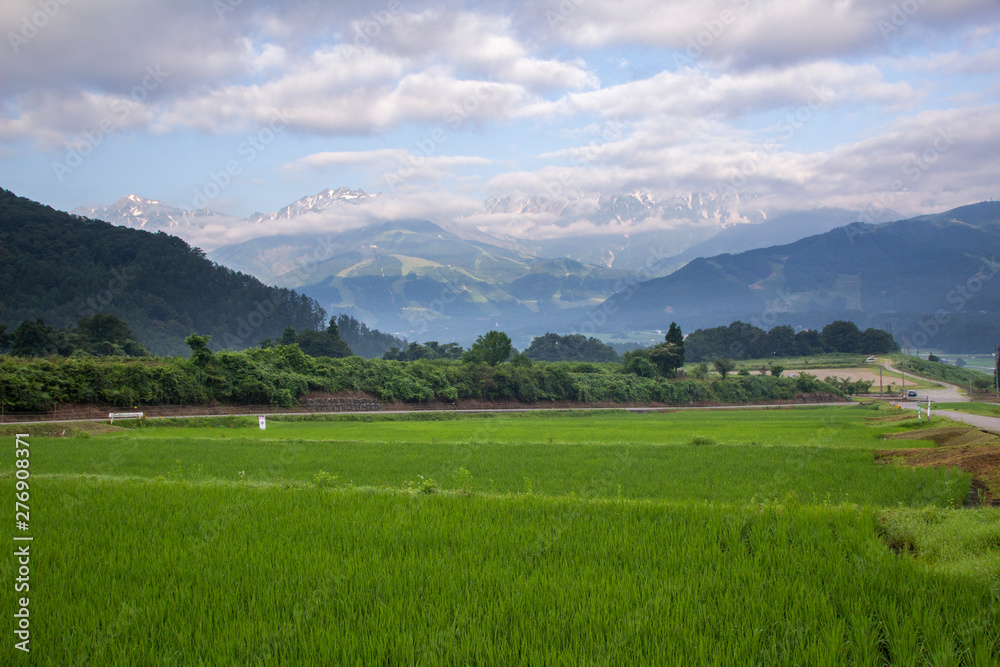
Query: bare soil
[[973, 450]]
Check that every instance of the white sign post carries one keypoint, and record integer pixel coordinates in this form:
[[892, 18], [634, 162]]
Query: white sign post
[[262, 421]]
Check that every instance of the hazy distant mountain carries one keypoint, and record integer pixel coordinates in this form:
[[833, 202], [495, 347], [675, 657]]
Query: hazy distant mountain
[[152, 215], [415, 278], [520, 261], [629, 231], [898, 271], [633, 207]]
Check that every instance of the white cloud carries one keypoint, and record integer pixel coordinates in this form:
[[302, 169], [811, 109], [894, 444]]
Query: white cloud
[[750, 33], [696, 93]]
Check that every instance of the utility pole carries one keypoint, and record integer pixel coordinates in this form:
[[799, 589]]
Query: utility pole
[[996, 369], [880, 381]]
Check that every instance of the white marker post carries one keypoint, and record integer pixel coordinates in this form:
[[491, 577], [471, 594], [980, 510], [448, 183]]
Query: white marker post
[[262, 422]]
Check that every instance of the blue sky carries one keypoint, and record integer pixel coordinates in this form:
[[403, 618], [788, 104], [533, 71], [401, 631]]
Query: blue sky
[[801, 103]]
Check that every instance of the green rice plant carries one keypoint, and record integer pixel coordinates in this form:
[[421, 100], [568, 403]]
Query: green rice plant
[[581, 539], [265, 574]]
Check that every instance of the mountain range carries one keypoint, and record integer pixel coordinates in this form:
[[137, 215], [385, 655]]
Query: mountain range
[[928, 278], [516, 261]]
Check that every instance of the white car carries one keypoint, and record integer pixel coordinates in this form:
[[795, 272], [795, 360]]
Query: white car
[[870, 360]]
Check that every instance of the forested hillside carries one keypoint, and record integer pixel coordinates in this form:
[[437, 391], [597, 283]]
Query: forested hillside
[[58, 268], [930, 279]]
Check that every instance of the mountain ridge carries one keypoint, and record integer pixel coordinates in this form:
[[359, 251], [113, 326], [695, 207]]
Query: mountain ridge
[[909, 273]]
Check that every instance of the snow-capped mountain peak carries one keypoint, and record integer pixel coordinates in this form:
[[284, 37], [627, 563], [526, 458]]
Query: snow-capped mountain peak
[[141, 213], [314, 203]]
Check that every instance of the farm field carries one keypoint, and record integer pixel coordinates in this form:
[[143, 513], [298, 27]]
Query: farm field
[[870, 373], [730, 537]]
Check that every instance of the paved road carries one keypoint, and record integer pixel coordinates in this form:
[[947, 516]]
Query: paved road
[[979, 421], [660, 408], [951, 394], [948, 393]]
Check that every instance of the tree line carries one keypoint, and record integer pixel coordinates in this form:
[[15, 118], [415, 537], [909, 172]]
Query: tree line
[[742, 341], [282, 375]]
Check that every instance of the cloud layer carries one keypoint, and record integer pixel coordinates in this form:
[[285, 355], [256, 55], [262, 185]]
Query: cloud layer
[[803, 102]]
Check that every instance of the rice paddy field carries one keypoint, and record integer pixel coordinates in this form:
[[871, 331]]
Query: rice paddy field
[[769, 537]]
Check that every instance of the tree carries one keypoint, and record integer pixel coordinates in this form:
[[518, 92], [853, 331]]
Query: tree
[[700, 372], [493, 347], [573, 347], [777, 370], [639, 365], [779, 342], [33, 339], [365, 342], [103, 334], [676, 338], [724, 366], [5, 338], [877, 341], [200, 354], [288, 336], [667, 358], [843, 336], [808, 342], [431, 350]]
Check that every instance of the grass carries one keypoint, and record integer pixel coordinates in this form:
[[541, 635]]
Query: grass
[[747, 537], [935, 370], [984, 409], [832, 360]]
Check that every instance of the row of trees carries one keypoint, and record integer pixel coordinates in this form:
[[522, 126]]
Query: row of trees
[[742, 341], [283, 374], [97, 335]]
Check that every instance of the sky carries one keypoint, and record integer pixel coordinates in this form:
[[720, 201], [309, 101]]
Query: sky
[[243, 106]]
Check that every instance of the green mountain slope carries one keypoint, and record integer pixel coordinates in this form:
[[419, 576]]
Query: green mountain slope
[[940, 266], [58, 267]]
